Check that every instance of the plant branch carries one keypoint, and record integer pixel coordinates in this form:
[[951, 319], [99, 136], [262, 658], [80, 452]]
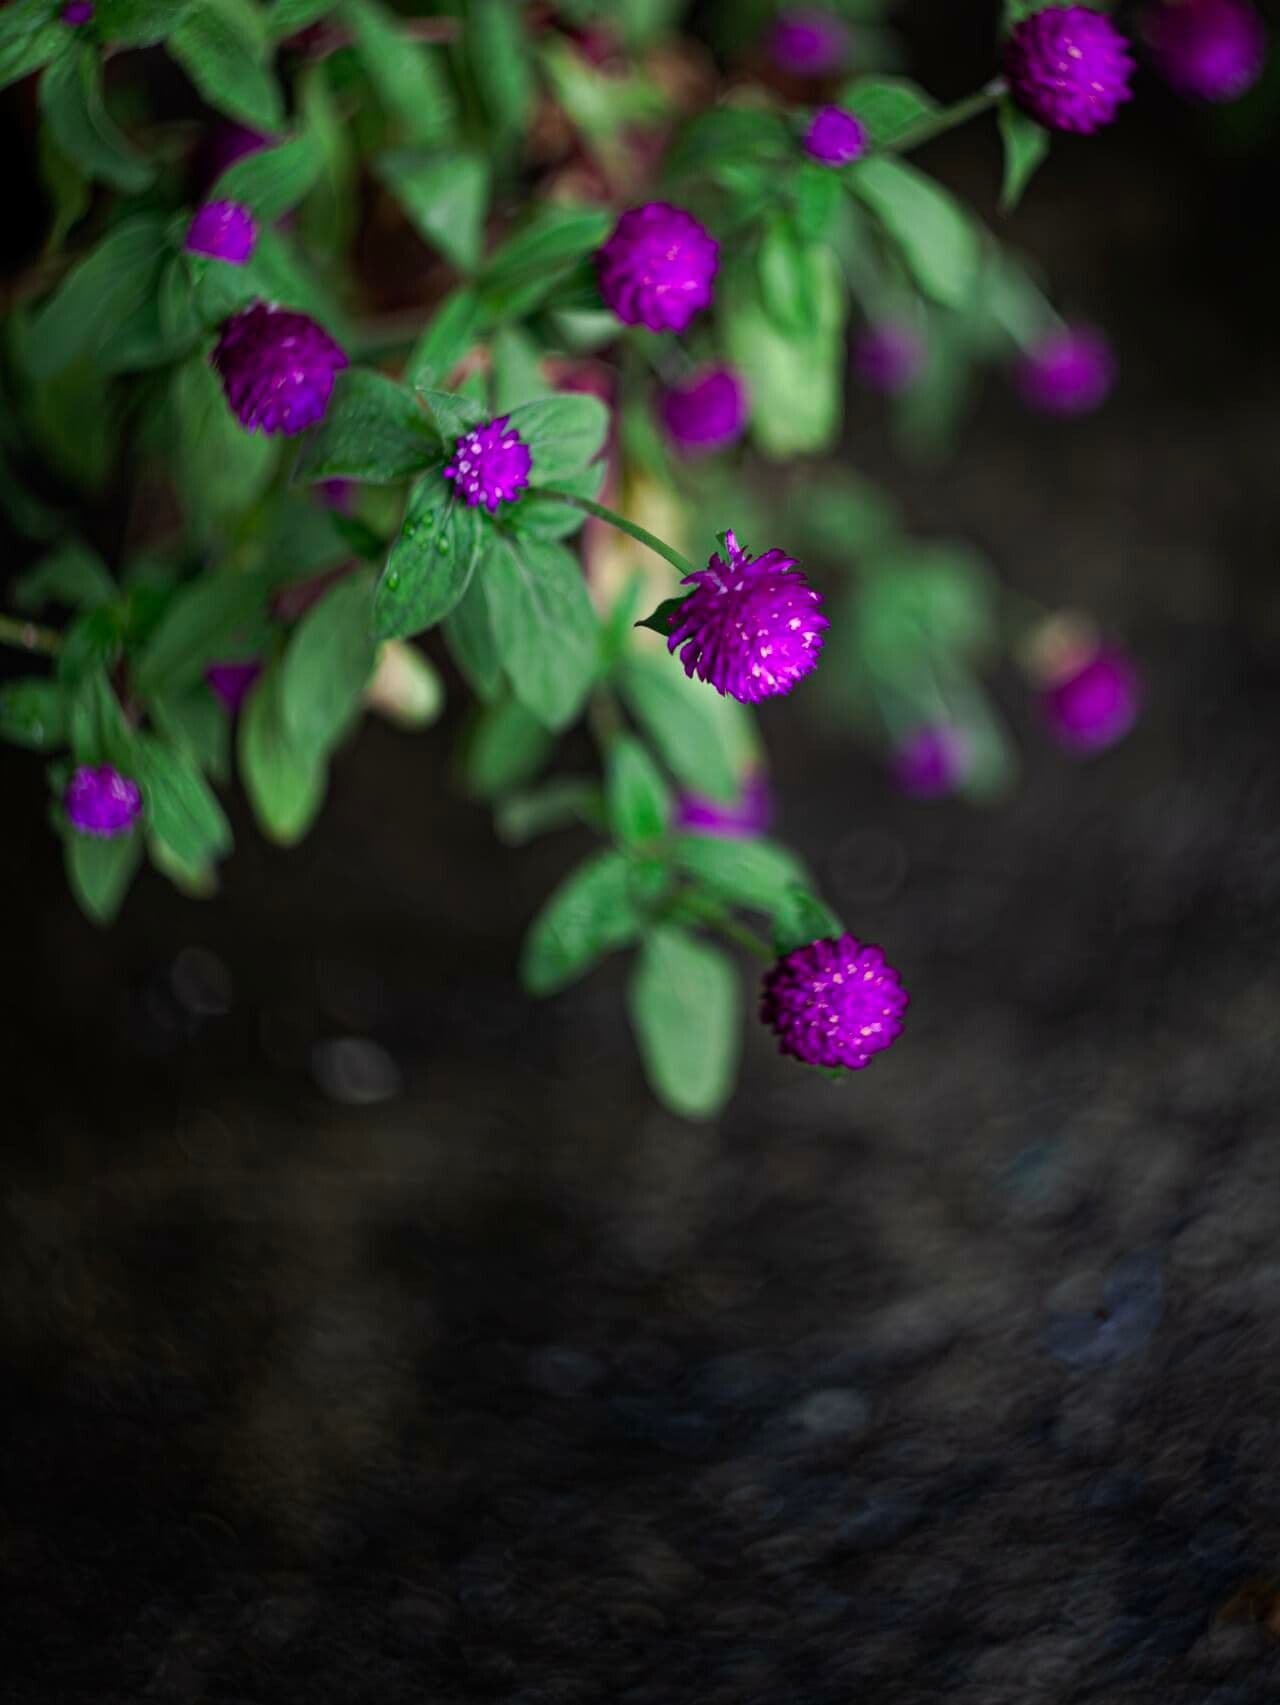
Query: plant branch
[[935, 124], [700, 907], [27, 636], [640, 534]]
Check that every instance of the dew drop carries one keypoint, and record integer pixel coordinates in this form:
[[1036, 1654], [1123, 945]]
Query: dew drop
[[393, 579], [443, 544]]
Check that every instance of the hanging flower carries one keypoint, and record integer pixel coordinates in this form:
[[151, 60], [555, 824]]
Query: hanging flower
[[833, 1003], [277, 368]]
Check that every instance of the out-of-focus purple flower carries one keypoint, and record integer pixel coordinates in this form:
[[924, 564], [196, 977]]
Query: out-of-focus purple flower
[[336, 494], [231, 142], [232, 682], [706, 412], [835, 137], [224, 229], [808, 42], [657, 268], [100, 801], [78, 12], [1069, 67], [742, 818], [277, 368], [752, 626], [1210, 50], [1070, 371], [833, 1003], [888, 356], [491, 464], [1094, 705], [931, 762]]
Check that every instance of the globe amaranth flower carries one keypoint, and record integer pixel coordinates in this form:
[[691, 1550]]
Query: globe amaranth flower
[[78, 12], [1095, 704], [232, 682], [100, 801], [1069, 67], [808, 42], [931, 762], [706, 412], [835, 137], [224, 229], [1070, 371], [888, 357], [752, 626], [277, 368], [490, 464], [742, 818], [1210, 50], [833, 1003], [657, 268]]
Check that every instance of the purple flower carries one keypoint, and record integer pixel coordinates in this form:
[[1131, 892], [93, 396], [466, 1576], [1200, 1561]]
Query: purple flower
[[1096, 704], [657, 268], [225, 230], [833, 1003], [1068, 372], [1211, 50], [931, 761], [752, 626], [1069, 67], [78, 12], [742, 818], [888, 356], [808, 42], [706, 412], [277, 368], [232, 681], [100, 801], [490, 464], [336, 494], [835, 137]]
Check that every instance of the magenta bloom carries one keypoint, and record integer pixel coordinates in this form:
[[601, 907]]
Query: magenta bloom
[[78, 12], [835, 137], [752, 626], [100, 801], [490, 464], [233, 681], [888, 357], [657, 268], [808, 43], [706, 412], [1069, 67], [1070, 371], [931, 762], [336, 494], [1210, 50], [742, 818], [833, 1003], [277, 368], [1096, 705], [225, 230]]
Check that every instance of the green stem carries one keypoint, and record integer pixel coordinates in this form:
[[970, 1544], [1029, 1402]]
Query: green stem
[[640, 534], [925, 129], [710, 913], [28, 637]]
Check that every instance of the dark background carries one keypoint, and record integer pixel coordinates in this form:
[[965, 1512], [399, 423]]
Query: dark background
[[372, 1335]]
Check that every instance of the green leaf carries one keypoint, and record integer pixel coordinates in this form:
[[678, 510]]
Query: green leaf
[[431, 562], [100, 869], [222, 45], [791, 276], [71, 100], [221, 469], [796, 377], [197, 721], [801, 918], [544, 626], [72, 574], [181, 808], [686, 1011], [30, 36], [33, 714], [66, 187], [563, 432], [545, 518], [451, 413], [888, 106], [328, 664], [818, 195], [498, 53], [560, 803], [756, 874], [285, 781], [271, 181], [529, 265], [93, 641], [445, 196], [332, 207], [407, 76], [374, 431], [456, 325], [202, 624], [517, 369], [637, 800], [923, 597], [287, 17], [468, 632], [699, 734], [96, 725], [590, 914], [138, 23], [938, 240], [505, 746], [1026, 144], [99, 292]]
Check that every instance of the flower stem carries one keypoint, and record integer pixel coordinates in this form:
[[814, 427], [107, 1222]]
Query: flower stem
[[640, 534], [696, 906], [28, 637], [935, 124]]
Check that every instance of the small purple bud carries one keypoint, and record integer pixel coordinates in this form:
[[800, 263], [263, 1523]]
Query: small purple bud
[[707, 412], [833, 1003], [78, 12], [931, 762], [490, 464], [277, 368], [1069, 67], [232, 682], [225, 230], [336, 494], [808, 42], [835, 137], [1208, 50], [657, 268], [1096, 704], [1070, 371], [100, 801], [742, 818], [888, 357]]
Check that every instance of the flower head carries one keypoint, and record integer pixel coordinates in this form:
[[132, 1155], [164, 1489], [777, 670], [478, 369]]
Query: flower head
[[736, 819], [224, 229], [752, 626], [835, 137], [833, 1003], [808, 42], [656, 270], [100, 801], [1069, 67], [931, 761], [1068, 372], [232, 681], [277, 368], [1211, 50], [706, 412], [78, 12], [1095, 704], [490, 464], [888, 357]]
